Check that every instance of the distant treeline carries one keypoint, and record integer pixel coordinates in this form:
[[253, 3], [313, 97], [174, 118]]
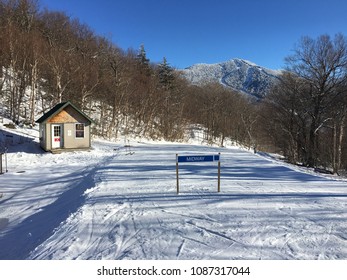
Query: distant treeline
[[46, 57]]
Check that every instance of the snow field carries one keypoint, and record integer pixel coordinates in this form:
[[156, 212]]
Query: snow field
[[126, 207], [119, 203]]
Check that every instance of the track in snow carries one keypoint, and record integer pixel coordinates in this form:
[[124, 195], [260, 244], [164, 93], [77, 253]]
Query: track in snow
[[264, 211]]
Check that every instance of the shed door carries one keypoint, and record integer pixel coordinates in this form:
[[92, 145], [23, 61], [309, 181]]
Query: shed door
[[57, 139]]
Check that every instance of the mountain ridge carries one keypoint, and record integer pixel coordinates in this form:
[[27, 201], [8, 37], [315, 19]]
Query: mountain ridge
[[238, 74]]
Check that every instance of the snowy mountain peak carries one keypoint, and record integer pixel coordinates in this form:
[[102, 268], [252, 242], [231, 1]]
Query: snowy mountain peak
[[237, 74]]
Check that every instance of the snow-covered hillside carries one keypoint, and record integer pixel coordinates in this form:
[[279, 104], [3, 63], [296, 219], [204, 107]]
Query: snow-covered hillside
[[237, 74], [116, 202]]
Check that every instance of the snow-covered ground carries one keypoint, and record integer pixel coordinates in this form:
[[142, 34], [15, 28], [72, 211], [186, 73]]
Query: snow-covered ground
[[112, 204]]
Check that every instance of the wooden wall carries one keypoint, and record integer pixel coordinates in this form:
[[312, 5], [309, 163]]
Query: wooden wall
[[68, 115]]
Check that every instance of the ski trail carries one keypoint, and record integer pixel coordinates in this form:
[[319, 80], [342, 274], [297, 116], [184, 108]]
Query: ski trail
[[216, 233], [263, 212], [180, 249], [35, 229]]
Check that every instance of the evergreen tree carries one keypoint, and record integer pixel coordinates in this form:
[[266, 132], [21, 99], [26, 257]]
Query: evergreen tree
[[166, 75], [141, 57]]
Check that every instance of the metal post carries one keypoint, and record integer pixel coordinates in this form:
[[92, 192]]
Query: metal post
[[1, 163], [6, 159], [219, 173], [178, 189]]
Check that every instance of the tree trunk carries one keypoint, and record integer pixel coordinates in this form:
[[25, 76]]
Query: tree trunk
[[34, 78], [340, 143], [335, 164]]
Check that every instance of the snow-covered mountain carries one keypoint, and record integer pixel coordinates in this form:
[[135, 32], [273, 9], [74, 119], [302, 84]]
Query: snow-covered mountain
[[237, 74]]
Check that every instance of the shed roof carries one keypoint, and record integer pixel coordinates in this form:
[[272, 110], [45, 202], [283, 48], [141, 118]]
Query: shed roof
[[58, 108]]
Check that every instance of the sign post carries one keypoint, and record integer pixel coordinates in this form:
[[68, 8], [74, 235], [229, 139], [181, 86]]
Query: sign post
[[199, 158], [178, 188], [218, 172], [1, 163]]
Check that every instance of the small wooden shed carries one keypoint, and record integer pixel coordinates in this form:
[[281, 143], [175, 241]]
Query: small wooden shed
[[65, 127]]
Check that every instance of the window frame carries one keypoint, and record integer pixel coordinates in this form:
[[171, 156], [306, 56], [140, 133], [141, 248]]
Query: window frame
[[78, 131]]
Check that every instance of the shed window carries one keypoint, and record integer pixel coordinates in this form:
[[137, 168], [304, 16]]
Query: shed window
[[56, 131], [79, 130]]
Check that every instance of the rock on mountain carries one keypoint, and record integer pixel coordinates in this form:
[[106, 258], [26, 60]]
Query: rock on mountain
[[237, 74]]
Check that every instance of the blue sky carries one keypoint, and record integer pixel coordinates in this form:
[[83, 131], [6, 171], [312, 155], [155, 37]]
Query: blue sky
[[209, 31]]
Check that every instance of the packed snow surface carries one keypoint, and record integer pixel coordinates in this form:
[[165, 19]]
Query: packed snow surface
[[119, 203]]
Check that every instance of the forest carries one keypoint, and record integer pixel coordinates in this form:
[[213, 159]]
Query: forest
[[46, 57]]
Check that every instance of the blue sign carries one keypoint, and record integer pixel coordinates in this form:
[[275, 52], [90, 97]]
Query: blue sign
[[198, 158]]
